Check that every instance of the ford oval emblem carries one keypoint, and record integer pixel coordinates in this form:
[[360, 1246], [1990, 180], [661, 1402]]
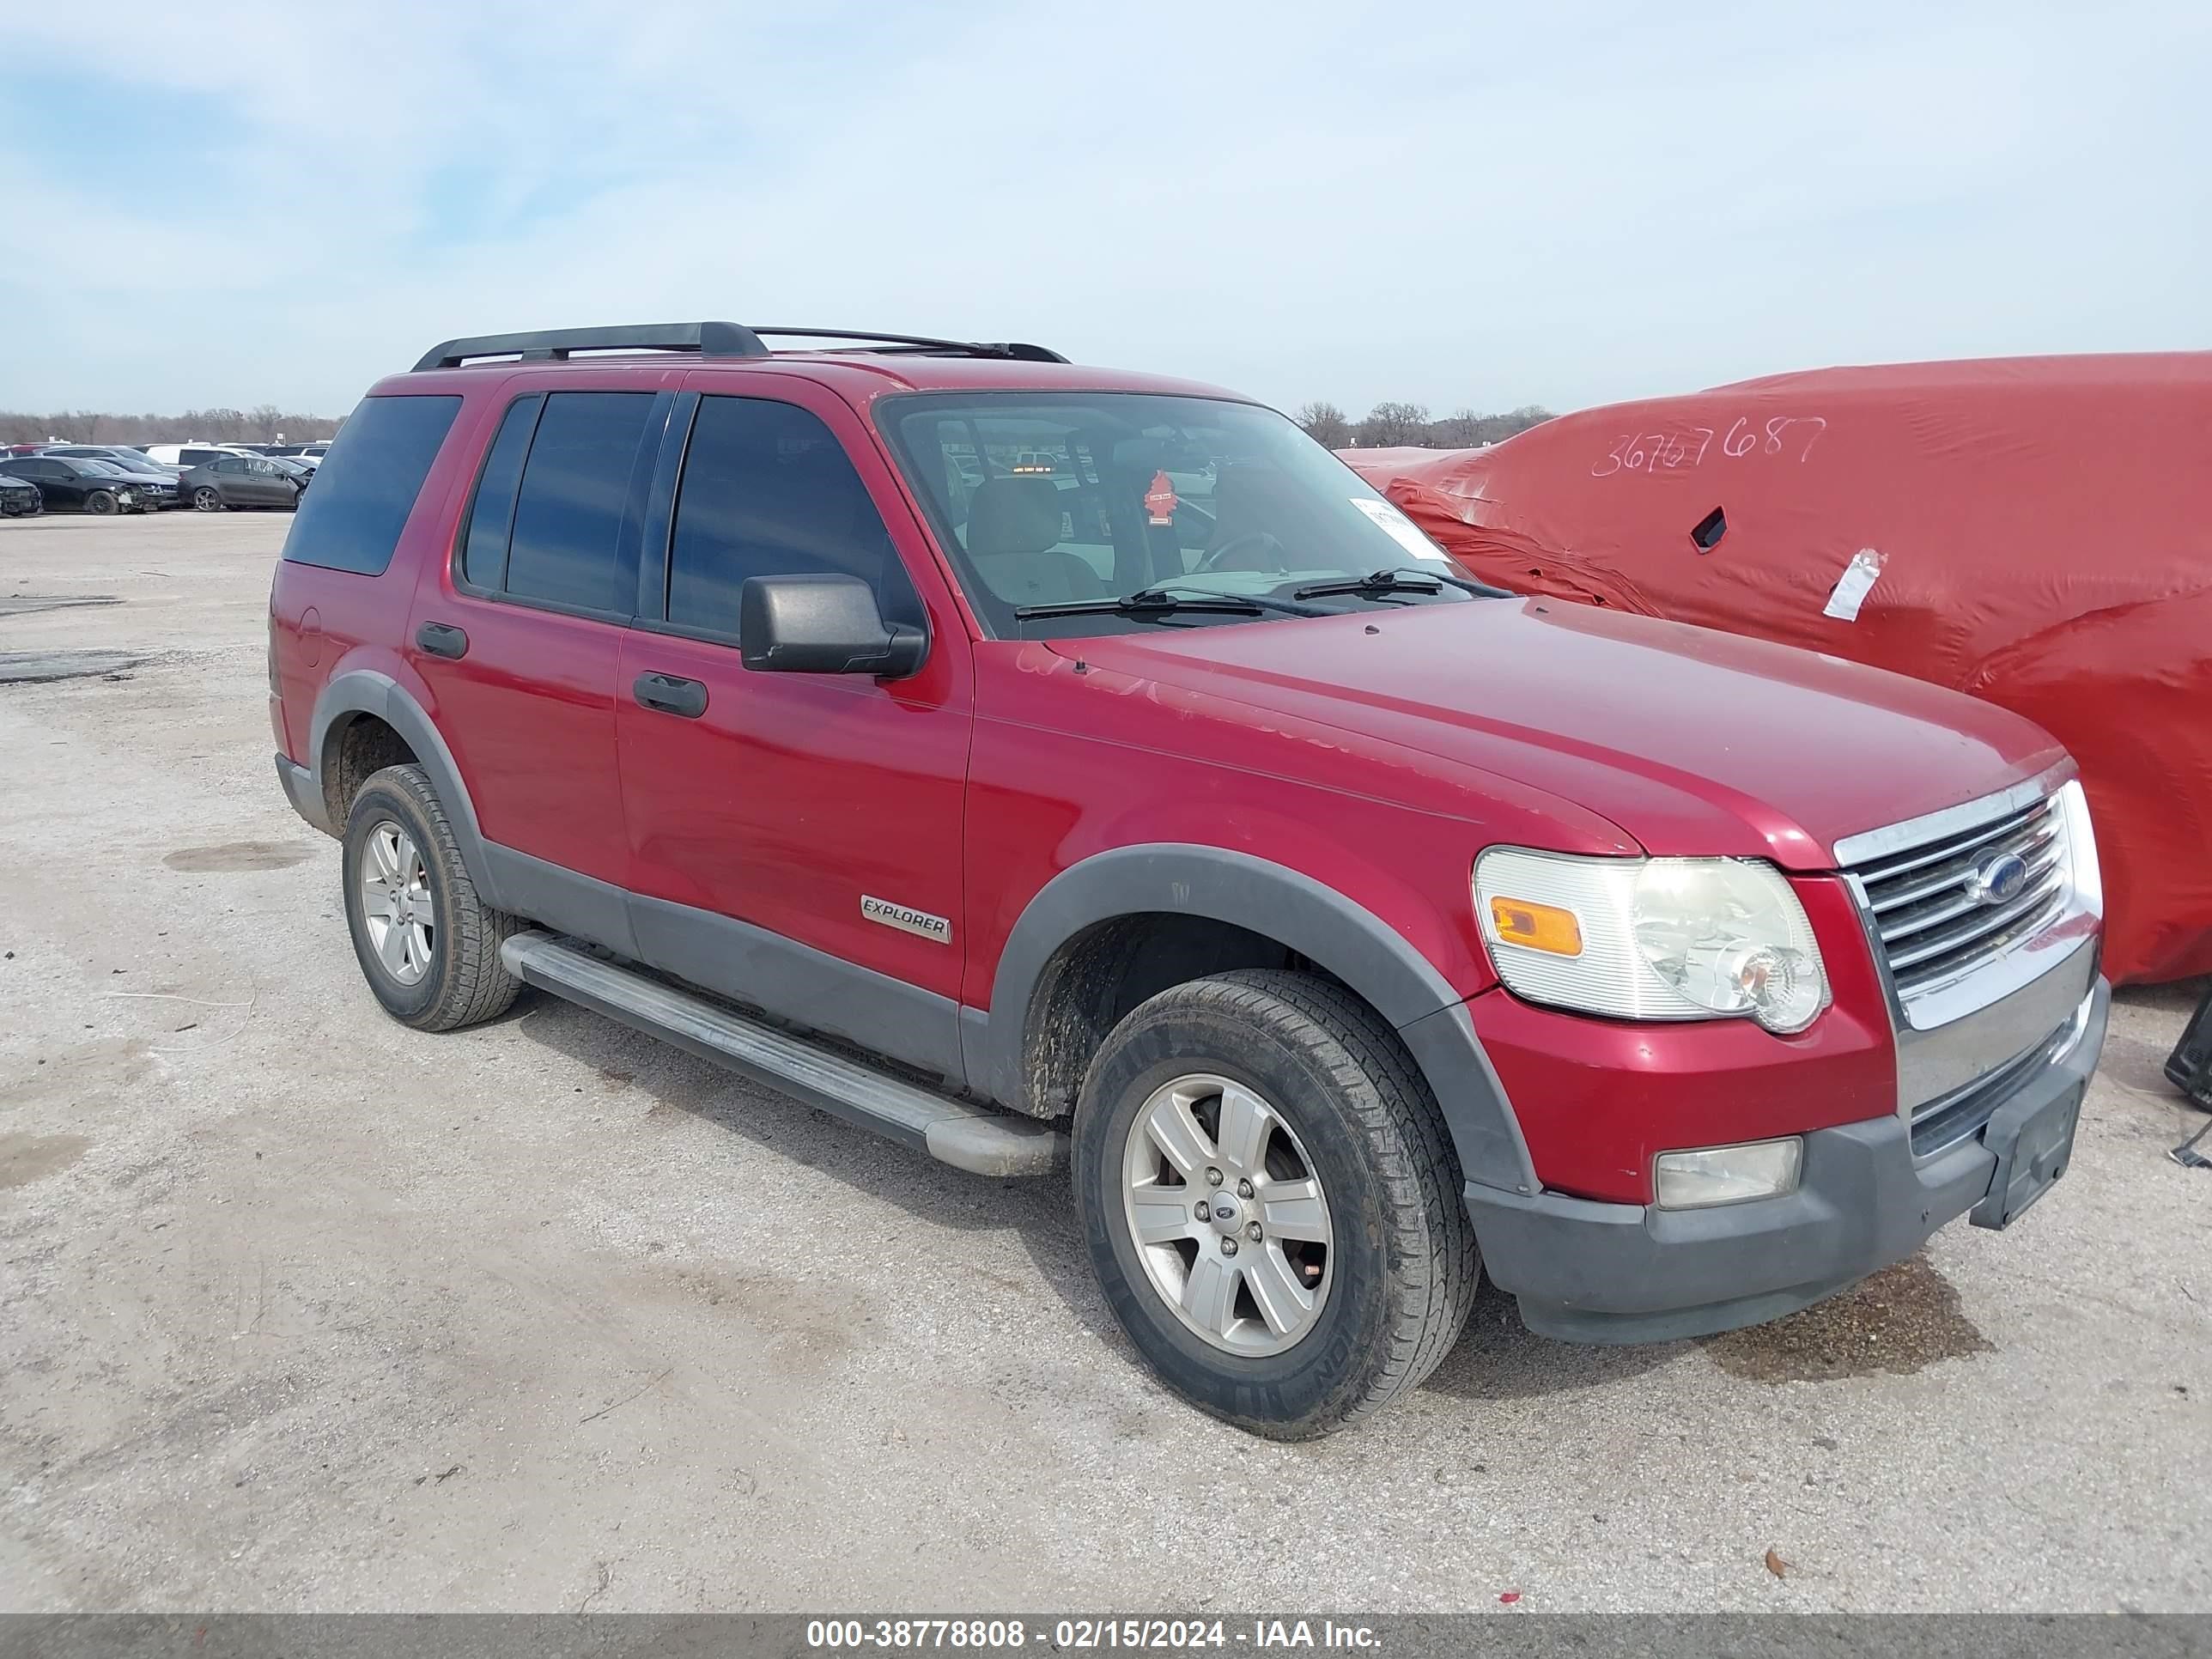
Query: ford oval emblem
[[1998, 877]]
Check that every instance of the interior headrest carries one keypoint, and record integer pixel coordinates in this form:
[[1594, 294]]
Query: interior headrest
[[1013, 516]]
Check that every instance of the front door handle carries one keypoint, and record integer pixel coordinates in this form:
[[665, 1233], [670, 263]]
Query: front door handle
[[671, 694], [442, 639]]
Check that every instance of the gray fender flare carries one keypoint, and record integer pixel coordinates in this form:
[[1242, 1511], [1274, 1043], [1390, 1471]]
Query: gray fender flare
[[366, 691], [1281, 903]]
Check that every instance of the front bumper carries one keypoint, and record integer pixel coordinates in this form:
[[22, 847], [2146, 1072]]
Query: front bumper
[[1592, 1271]]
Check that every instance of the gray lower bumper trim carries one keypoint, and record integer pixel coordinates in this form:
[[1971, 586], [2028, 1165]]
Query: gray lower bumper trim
[[1625, 1273], [304, 792]]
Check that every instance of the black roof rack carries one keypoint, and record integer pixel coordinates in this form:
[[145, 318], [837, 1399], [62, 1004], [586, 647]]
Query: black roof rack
[[922, 344], [707, 339]]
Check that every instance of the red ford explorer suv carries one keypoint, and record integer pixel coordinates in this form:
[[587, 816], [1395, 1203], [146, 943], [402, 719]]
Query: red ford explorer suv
[[1036, 763]]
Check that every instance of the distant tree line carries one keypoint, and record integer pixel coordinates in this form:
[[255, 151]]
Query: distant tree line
[[237, 426], [1389, 424]]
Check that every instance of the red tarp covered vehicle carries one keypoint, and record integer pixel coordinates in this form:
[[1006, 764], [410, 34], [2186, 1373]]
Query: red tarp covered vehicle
[[2036, 531]]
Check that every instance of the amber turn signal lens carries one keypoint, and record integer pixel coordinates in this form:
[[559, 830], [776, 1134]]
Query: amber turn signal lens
[[1539, 926]]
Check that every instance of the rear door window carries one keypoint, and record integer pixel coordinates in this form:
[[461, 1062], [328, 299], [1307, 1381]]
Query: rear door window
[[565, 547], [351, 519], [491, 515]]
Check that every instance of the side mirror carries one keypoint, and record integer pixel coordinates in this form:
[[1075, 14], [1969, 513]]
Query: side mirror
[[823, 624]]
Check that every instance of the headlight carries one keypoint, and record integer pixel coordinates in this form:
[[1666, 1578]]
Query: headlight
[[1651, 938], [2081, 847]]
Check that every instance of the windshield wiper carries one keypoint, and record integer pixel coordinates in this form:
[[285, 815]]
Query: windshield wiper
[[1405, 578], [1160, 601]]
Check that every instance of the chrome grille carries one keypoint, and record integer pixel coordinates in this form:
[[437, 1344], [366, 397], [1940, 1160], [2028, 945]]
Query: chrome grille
[[1934, 922]]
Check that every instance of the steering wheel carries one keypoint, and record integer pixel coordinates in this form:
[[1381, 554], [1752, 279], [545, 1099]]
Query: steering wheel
[[1218, 559]]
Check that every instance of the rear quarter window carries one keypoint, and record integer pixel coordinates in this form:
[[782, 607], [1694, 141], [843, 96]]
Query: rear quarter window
[[367, 486]]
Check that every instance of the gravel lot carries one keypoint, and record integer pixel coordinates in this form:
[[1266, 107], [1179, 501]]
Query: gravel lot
[[300, 1309]]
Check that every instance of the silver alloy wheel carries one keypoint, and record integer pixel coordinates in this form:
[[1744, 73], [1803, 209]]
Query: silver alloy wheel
[[1251, 1274], [208, 499], [395, 903]]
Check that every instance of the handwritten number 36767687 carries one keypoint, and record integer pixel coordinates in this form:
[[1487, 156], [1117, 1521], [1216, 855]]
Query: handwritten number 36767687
[[1672, 452]]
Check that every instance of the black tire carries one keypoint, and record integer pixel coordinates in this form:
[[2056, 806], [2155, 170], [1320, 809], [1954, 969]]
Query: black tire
[[465, 983], [101, 502], [1403, 1261], [206, 498]]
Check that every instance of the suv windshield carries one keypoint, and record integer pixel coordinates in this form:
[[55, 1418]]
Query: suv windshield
[[1055, 505]]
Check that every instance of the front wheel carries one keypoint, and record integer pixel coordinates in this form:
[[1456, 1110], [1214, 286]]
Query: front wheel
[[1271, 1202], [100, 502]]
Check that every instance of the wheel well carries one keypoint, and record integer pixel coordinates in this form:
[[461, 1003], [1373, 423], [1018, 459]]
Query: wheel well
[[1106, 970], [353, 750]]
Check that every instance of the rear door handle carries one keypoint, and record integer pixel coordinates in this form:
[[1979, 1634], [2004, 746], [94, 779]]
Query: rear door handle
[[441, 640], [671, 694]]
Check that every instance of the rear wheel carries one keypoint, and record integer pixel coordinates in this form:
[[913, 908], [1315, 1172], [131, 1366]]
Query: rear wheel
[[1271, 1202], [427, 945], [101, 502], [206, 498]]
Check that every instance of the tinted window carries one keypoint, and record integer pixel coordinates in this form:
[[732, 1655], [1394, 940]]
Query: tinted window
[[484, 553], [768, 490], [351, 519], [565, 547]]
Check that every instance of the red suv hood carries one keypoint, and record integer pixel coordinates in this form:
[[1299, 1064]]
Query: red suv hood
[[1692, 741]]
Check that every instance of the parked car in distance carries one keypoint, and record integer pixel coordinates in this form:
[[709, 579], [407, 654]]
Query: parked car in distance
[[88, 486], [122, 455], [239, 481], [1351, 926], [308, 452], [189, 454], [20, 498], [130, 460]]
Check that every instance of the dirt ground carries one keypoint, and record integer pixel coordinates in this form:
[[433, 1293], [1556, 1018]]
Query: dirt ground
[[300, 1309]]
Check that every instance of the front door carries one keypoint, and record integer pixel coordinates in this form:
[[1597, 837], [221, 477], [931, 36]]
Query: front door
[[795, 838]]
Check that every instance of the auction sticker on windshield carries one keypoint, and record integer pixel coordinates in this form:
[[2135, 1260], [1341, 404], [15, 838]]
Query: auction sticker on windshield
[[1400, 529]]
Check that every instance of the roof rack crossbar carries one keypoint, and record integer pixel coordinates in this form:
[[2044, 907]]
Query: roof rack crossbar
[[707, 339], [1016, 350]]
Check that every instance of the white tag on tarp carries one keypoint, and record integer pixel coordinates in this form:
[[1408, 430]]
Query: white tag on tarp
[[1401, 529], [1853, 585]]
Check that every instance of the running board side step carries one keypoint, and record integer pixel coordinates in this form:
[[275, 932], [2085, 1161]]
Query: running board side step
[[966, 1137]]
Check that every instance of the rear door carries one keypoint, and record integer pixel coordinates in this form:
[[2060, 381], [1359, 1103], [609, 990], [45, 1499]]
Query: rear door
[[520, 636], [794, 838], [231, 481]]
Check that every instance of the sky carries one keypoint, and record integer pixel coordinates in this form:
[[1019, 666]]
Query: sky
[[1457, 204]]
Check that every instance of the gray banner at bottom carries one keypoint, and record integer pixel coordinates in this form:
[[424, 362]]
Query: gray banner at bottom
[[1507, 1635]]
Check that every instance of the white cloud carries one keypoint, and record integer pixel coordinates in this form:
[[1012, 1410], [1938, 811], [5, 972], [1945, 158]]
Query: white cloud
[[1564, 205]]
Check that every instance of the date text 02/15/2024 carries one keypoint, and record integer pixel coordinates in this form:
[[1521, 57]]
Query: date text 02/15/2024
[[1160, 1635]]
